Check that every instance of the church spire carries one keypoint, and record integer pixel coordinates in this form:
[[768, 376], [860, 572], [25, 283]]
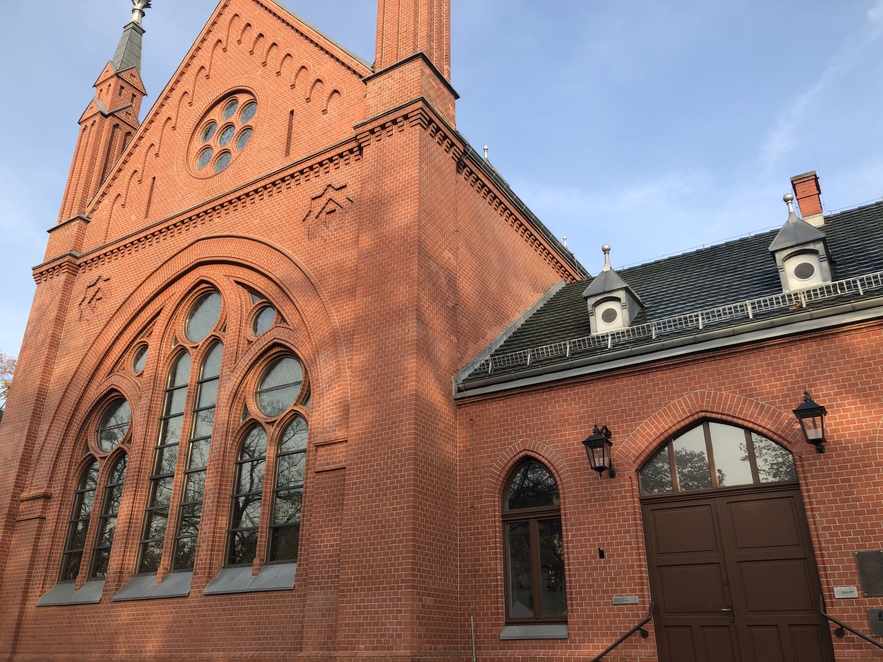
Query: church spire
[[128, 52], [109, 121]]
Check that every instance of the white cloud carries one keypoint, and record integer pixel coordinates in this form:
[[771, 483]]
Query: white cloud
[[780, 139]]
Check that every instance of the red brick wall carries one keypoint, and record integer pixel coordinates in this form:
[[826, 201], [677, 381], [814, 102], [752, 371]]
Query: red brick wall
[[384, 300], [754, 387]]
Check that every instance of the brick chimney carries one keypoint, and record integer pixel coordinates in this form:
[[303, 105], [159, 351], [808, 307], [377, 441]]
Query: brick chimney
[[808, 194], [417, 26]]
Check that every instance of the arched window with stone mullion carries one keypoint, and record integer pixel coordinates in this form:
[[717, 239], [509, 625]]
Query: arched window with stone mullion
[[113, 491], [78, 525], [202, 425], [165, 459]]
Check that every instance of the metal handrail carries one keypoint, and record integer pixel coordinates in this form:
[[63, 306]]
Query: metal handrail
[[841, 626], [638, 627]]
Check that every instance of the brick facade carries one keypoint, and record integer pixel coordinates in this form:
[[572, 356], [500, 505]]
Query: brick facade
[[393, 257]]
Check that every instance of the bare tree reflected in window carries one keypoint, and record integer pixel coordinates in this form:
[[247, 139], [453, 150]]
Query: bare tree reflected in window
[[740, 458], [535, 585], [242, 536], [774, 463]]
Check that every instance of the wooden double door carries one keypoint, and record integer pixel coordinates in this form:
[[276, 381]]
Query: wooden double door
[[734, 578]]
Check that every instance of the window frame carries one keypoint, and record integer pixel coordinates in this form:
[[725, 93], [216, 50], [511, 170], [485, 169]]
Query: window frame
[[533, 516], [274, 427], [668, 447]]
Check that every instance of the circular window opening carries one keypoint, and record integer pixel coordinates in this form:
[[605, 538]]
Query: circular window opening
[[804, 271], [113, 425], [230, 108], [208, 132], [203, 317], [226, 135], [223, 161], [248, 112], [280, 385], [609, 315], [205, 156], [263, 320], [139, 359], [242, 140], [224, 128]]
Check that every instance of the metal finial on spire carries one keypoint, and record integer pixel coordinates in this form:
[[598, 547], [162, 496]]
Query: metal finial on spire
[[789, 200], [606, 249], [138, 8]]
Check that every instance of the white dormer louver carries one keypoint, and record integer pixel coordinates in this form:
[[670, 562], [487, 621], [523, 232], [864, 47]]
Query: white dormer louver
[[801, 253], [612, 303]]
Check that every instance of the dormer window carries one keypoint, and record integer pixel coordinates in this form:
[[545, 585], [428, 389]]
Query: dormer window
[[608, 315], [801, 253], [803, 269], [612, 304]]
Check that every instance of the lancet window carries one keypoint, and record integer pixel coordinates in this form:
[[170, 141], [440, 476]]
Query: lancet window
[[534, 547]]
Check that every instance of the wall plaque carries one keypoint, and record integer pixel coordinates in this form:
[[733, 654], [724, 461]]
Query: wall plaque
[[625, 599], [875, 618], [870, 569], [842, 592]]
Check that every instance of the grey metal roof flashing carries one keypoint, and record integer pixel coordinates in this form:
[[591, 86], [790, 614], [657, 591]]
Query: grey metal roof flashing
[[795, 232], [128, 52]]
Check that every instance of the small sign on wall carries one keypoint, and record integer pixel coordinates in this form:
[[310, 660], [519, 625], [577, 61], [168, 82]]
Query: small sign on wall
[[625, 599], [843, 592]]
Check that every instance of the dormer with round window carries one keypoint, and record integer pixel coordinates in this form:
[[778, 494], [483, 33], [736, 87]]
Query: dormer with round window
[[801, 253], [612, 304]]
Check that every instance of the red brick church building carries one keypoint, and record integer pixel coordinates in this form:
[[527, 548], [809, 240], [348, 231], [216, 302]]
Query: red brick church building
[[304, 378]]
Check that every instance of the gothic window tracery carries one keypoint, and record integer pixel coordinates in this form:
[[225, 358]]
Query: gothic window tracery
[[100, 480], [274, 444]]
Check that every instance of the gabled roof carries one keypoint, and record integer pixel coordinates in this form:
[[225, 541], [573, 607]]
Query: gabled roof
[[728, 274], [795, 232], [608, 281]]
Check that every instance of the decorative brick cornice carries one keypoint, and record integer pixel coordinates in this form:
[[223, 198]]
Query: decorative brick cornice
[[415, 113], [64, 264], [419, 113], [306, 170], [495, 199]]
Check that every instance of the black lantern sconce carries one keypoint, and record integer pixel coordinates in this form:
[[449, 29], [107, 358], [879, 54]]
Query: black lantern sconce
[[598, 447], [811, 417]]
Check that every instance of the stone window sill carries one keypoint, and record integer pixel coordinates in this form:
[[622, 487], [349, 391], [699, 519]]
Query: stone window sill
[[144, 587], [64, 594], [535, 631], [274, 577]]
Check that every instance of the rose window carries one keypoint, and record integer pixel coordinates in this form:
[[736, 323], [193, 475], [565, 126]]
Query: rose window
[[223, 133]]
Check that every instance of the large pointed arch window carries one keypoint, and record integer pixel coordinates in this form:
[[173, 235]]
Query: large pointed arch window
[[78, 526], [202, 425], [274, 444], [105, 465], [182, 412], [534, 547], [113, 494], [715, 455]]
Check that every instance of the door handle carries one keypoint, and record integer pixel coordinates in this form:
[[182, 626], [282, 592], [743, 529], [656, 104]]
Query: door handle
[[729, 609]]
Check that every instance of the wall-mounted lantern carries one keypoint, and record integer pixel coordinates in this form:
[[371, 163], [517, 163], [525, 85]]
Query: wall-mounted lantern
[[598, 447], [811, 417]]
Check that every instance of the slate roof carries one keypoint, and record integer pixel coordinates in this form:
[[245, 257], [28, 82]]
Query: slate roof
[[727, 273]]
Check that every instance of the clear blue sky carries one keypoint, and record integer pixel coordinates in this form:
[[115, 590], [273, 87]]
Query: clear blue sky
[[652, 125]]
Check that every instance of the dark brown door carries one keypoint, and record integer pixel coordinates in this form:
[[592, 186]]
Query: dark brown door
[[734, 578]]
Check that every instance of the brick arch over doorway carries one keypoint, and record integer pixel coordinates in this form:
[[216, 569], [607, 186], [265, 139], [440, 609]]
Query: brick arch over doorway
[[738, 410]]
